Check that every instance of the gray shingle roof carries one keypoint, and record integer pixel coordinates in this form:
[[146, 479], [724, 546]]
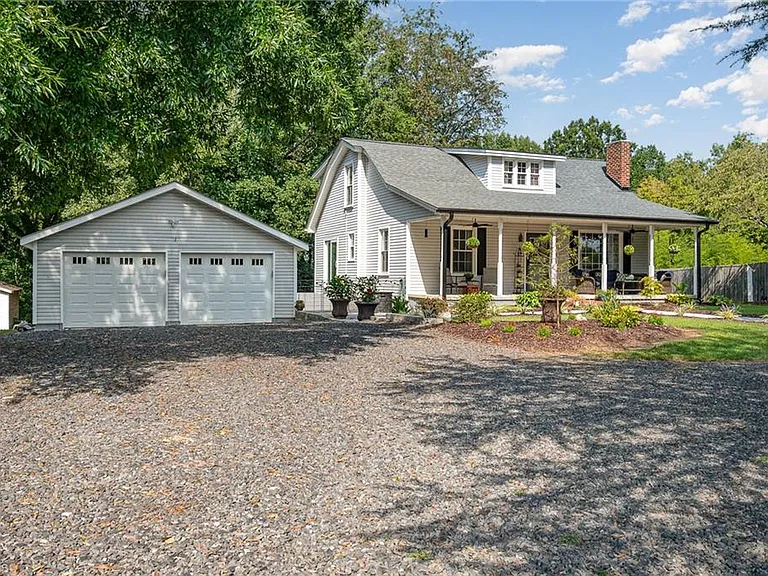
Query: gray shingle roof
[[443, 182]]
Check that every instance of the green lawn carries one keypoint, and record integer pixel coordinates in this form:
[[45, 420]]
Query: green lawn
[[719, 340], [744, 309]]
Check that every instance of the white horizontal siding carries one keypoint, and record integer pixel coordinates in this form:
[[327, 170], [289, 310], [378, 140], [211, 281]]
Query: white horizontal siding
[[424, 269], [146, 227], [478, 165], [640, 258], [336, 222]]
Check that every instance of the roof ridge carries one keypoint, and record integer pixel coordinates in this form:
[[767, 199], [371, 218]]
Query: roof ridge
[[434, 147]]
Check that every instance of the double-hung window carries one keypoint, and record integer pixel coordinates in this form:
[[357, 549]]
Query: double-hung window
[[384, 251], [591, 251], [462, 257], [349, 191], [534, 177], [522, 168], [351, 247], [509, 172], [518, 173]]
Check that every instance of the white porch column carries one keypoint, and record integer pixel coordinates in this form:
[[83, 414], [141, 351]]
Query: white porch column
[[553, 263], [500, 261], [442, 258], [604, 267], [651, 251]]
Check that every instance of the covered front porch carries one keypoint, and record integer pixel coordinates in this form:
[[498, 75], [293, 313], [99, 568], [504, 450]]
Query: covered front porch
[[439, 262]]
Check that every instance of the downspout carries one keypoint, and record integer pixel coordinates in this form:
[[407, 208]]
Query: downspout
[[697, 262], [446, 248]]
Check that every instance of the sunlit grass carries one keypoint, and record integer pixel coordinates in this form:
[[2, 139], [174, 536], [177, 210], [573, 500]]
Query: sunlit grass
[[744, 309], [719, 340]]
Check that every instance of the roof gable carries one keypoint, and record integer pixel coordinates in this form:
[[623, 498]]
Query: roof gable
[[173, 186]]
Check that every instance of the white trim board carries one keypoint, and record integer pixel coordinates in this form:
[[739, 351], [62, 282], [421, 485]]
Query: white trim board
[[173, 186]]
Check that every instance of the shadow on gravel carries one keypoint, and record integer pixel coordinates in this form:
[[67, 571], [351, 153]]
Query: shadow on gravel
[[117, 361], [587, 467]]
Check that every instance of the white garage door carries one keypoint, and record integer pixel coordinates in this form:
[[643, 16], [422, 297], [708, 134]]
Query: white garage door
[[109, 289], [226, 288]]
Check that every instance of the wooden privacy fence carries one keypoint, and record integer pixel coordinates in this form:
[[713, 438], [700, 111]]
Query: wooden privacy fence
[[740, 282]]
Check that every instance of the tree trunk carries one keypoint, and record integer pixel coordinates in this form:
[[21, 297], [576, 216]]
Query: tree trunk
[[550, 311]]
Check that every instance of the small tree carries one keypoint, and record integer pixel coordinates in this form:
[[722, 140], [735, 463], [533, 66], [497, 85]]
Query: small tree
[[550, 258]]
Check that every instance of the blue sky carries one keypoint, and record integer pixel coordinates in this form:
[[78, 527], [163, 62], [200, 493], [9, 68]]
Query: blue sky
[[637, 63]]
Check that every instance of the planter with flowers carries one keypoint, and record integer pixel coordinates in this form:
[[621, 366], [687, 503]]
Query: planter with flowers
[[366, 288], [340, 291]]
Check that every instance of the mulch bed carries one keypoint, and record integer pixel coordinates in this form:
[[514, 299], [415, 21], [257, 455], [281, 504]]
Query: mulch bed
[[593, 337]]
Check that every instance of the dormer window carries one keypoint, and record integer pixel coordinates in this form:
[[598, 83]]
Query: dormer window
[[519, 173], [348, 186]]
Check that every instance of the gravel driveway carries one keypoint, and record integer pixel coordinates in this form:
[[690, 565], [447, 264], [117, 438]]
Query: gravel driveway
[[338, 448]]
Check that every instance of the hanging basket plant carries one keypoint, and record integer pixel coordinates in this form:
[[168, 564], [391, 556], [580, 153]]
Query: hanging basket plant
[[629, 249], [473, 242], [674, 249]]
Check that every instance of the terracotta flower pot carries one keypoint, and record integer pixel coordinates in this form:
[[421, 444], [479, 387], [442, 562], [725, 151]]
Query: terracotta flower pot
[[339, 308], [365, 310]]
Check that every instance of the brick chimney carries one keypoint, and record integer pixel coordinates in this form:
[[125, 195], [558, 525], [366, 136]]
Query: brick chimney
[[618, 156]]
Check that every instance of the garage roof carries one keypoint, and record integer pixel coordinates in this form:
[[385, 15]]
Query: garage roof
[[172, 187]]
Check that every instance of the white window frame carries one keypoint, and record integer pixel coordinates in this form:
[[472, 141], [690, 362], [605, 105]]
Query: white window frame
[[327, 258], [349, 186], [351, 247], [473, 252], [511, 170], [384, 270], [599, 233]]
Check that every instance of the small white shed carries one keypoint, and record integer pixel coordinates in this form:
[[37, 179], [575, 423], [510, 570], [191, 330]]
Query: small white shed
[[168, 256], [9, 305]]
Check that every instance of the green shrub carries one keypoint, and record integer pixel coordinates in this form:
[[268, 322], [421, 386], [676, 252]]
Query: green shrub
[[720, 300], [432, 307], [400, 304], [729, 312], [509, 328], [544, 332], [487, 323], [606, 295], [679, 298], [574, 331], [655, 320], [473, 307], [651, 287], [612, 315], [529, 299]]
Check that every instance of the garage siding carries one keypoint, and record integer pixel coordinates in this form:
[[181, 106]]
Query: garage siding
[[171, 223]]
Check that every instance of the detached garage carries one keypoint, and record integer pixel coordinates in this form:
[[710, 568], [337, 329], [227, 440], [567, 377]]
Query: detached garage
[[167, 256]]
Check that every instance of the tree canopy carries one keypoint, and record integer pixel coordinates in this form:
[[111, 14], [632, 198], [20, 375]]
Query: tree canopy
[[748, 15], [584, 138]]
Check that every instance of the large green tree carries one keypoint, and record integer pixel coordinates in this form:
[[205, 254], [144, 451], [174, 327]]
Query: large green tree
[[646, 161], [427, 83], [748, 15], [505, 141], [584, 138]]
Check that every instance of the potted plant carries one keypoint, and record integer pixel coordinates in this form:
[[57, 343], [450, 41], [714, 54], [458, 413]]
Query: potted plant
[[366, 302], [629, 249], [551, 279], [340, 290], [299, 305], [473, 242], [468, 276]]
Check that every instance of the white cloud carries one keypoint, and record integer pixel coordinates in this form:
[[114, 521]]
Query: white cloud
[[753, 125], [541, 82], [504, 60], [648, 55], [737, 40], [623, 113], [750, 110], [636, 11], [693, 97], [555, 99], [750, 86], [644, 109], [654, 120]]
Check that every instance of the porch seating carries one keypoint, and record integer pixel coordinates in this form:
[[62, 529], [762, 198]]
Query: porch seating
[[488, 280], [451, 282], [583, 283], [665, 277]]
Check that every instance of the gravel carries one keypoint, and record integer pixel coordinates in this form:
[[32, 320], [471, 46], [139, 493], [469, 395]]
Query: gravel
[[342, 448]]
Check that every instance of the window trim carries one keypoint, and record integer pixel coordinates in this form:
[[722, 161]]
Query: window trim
[[349, 186], [515, 173], [388, 251], [473, 252], [327, 258], [351, 247], [599, 233]]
